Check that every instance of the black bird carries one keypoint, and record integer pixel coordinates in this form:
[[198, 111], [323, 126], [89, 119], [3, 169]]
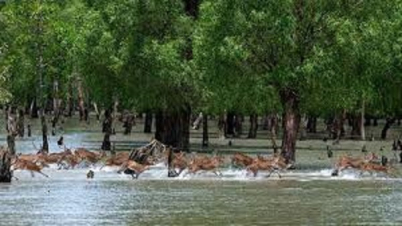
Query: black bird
[[90, 174], [60, 141], [230, 143], [364, 150]]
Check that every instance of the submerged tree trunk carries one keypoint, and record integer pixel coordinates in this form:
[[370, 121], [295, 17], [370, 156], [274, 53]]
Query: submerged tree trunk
[[148, 123], [33, 110], [312, 124], [238, 125], [129, 121], [107, 129], [45, 146], [230, 123], [252, 133], [291, 118], [388, 124], [173, 128], [5, 164], [338, 124], [222, 126], [114, 116], [356, 126], [205, 131]]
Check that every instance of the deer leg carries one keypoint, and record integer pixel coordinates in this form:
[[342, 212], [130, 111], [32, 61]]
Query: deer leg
[[43, 174], [32, 174], [277, 172]]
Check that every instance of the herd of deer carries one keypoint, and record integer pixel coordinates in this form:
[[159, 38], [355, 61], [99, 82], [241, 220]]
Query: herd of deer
[[368, 163], [178, 162]]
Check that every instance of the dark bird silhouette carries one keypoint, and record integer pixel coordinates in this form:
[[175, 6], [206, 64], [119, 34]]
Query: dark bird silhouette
[[60, 141]]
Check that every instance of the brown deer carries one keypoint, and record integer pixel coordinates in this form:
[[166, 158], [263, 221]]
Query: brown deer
[[21, 164], [271, 164], [179, 162], [117, 160], [205, 164], [89, 156], [346, 162], [241, 160]]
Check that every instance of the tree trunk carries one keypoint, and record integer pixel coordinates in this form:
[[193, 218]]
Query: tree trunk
[[222, 126], [70, 101], [375, 121], [356, 126], [148, 123], [238, 125], [20, 123], [367, 121], [29, 132], [96, 111], [291, 118], [12, 133], [6, 115], [81, 102], [205, 131], [388, 124], [252, 133], [5, 164], [107, 129], [129, 121], [56, 106], [230, 123], [338, 123], [114, 116], [173, 128], [312, 124], [45, 146], [33, 110], [363, 131]]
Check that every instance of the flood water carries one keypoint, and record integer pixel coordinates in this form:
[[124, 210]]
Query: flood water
[[308, 196]]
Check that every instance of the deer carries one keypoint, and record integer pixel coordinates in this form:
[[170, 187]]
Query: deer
[[179, 162], [117, 160], [21, 164], [89, 156], [241, 160], [345, 162], [271, 164], [205, 164], [135, 167]]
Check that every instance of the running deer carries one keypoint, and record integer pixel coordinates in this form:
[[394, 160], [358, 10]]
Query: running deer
[[21, 164]]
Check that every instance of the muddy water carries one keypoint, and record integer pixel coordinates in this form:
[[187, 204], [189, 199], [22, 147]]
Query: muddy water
[[308, 196]]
